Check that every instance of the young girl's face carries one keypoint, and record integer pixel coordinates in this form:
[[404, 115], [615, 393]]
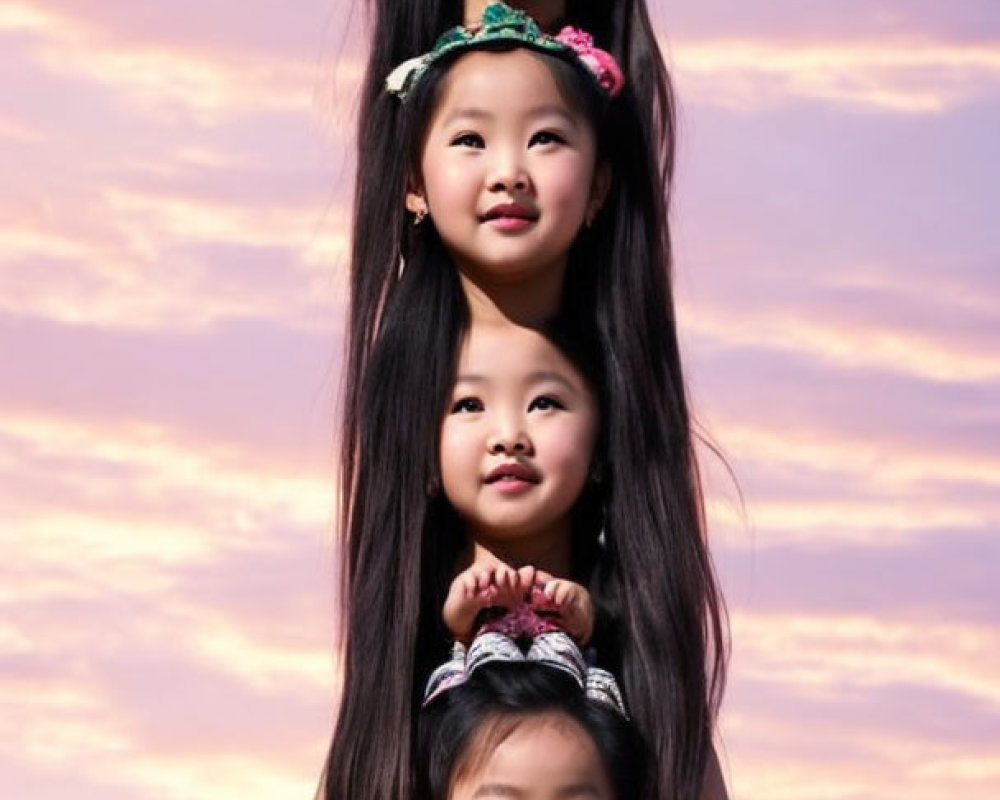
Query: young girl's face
[[517, 438], [549, 757], [508, 167]]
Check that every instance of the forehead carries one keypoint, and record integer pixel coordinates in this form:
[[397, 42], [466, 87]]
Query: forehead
[[508, 351], [504, 82], [547, 755]]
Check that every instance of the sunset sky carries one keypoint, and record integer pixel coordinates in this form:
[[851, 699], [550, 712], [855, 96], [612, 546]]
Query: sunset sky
[[175, 186]]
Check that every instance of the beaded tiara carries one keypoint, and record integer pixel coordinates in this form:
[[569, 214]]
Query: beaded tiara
[[502, 24], [545, 645]]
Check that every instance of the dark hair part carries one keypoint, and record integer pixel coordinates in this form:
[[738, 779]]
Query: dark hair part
[[661, 619], [461, 728]]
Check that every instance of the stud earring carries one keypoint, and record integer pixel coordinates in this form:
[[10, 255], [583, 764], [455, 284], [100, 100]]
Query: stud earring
[[419, 217]]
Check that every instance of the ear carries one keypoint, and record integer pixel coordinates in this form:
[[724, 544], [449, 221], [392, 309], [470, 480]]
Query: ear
[[599, 188], [416, 202]]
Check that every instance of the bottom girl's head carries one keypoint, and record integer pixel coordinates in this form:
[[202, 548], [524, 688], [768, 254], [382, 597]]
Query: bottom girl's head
[[525, 731]]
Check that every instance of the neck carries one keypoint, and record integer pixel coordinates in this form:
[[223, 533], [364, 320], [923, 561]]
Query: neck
[[529, 302], [549, 551]]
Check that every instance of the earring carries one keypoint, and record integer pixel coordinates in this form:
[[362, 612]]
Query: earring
[[419, 217]]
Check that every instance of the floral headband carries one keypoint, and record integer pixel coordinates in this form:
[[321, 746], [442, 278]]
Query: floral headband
[[501, 23], [551, 648]]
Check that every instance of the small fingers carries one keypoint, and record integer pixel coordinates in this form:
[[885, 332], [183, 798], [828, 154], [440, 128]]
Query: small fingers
[[526, 576], [542, 577], [506, 577], [558, 591]]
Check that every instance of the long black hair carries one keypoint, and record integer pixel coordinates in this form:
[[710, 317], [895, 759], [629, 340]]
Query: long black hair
[[661, 627], [402, 29], [455, 729]]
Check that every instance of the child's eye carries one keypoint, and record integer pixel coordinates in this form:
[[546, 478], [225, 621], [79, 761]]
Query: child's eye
[[547, 137], [466, 405], [468, 140], [545, 403]]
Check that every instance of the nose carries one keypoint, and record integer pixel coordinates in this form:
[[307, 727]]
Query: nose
[[507, 172], [509, 440]]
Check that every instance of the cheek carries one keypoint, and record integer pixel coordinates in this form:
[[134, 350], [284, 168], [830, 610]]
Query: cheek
[[456, 456], [569, 449], [449, 180], [569, 182]]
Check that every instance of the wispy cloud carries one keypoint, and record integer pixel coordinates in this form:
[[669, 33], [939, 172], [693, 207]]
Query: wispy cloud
[[881, 464], [821, 523], [139, 608], [207, 83], [124, 467], [113, 271], [809, 666], [847, 344], [903, 76]]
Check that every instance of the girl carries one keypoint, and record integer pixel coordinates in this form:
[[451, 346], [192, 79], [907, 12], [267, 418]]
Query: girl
[[405, 28], [517, 454], [584, 232], [528, 727]]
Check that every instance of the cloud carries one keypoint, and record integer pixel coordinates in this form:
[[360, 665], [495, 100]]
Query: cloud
[[154, 260], [15, 130], [820, 524], [825, 655], [127, 475], [895, 75], [176, 223], [167, 597], [205, 81], [880, 464], [823, 485], [885, 347], [839, 705]]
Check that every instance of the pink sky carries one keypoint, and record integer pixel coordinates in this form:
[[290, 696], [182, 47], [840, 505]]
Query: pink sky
[[174, 204]]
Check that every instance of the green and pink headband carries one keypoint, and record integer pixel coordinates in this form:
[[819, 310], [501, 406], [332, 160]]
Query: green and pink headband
[[502, 24]]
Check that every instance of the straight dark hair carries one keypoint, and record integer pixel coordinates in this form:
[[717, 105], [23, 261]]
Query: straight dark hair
[[661, 616], [502, 696]]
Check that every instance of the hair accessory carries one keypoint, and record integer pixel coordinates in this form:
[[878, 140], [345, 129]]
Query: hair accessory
[[553, 648], [499, 24]]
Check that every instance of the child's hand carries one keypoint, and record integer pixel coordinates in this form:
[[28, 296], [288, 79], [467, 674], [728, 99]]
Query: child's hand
[[478, 587], [570, 601]]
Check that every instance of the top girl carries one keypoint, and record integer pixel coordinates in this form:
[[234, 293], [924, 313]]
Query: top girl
[[651, 575]]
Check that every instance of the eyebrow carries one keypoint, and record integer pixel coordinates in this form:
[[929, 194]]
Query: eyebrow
[[547, 109], [534, 377], [497, 790], [549, 375], [582, 789]]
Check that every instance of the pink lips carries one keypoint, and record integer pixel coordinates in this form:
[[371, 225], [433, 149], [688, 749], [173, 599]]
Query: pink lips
[[512, 478], [510, 217]]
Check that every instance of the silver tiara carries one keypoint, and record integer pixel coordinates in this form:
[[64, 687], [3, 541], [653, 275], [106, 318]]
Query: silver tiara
[[554, 649]]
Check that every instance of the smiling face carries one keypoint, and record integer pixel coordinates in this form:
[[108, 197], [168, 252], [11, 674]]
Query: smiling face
[[547, 757], [517, 439], [507, 168]]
